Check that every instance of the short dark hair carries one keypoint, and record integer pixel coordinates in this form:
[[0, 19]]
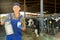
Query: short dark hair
[[16, 3]]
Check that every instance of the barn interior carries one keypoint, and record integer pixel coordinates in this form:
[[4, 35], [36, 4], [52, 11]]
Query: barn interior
[[46, 11]]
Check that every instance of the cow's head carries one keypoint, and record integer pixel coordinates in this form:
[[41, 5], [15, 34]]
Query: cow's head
[[30, 22]]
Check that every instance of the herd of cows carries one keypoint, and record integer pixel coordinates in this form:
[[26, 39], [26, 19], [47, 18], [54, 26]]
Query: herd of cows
[[51, 25]]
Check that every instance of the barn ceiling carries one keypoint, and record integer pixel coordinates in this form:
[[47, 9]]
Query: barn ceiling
[[31, 5]]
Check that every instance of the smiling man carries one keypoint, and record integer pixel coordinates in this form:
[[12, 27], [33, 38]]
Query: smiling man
[[17, 22]]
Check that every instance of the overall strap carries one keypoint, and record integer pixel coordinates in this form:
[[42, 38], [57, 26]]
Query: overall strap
[[20, 17], [11, 16]]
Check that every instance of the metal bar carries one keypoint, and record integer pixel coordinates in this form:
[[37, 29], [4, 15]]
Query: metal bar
[[41, 19], [24, 7], [55, 6]]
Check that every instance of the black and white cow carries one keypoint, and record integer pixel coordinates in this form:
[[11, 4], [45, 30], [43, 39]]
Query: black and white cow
[[52, 24], [33, 23], [49, 25]]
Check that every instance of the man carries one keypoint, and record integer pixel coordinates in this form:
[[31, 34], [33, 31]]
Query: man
[[16, 20]]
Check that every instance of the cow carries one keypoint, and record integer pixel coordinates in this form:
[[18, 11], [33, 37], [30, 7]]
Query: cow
[[33, 23], [51, 25]]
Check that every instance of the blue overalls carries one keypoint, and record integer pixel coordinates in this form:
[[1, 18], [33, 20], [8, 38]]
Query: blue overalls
[[17, 31]]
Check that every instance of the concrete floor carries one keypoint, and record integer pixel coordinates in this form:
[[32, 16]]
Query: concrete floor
[[2, 33], [29, 35]]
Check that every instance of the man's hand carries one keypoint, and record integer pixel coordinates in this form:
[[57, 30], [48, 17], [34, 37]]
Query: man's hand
[[23, 24]]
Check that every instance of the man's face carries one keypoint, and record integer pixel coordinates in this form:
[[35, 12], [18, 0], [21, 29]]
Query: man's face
[[16, 8]]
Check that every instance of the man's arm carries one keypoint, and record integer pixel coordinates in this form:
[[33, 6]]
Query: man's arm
[[23, 24], [2, 21]]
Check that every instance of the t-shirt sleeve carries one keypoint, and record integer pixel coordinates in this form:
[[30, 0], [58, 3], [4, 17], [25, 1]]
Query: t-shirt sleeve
[[6, 18]]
